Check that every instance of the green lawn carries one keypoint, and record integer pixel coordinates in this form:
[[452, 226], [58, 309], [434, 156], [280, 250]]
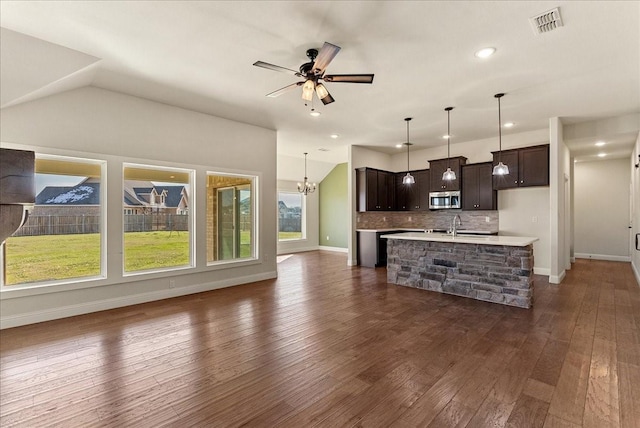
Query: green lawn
[[56, 257], [289, 235]]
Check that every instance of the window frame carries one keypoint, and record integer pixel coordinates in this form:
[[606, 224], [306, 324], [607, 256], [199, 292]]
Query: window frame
[[303, 217], [254, 189], [191, 173], [76, 282]]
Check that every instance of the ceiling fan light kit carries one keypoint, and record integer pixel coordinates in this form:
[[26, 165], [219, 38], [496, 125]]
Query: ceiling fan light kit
[[313, 72]]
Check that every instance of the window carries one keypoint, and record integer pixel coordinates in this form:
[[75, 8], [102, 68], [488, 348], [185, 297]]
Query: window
[[157, 222], [290, 216], [231, 224], [62, 239]]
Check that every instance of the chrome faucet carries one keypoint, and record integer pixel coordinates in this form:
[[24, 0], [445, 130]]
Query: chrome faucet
[[454, 229]]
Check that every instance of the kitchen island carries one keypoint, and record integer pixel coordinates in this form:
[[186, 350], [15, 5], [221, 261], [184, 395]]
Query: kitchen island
[[496, 269]]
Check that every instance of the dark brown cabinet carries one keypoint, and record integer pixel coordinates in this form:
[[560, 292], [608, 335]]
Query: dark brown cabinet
[[413, 197], [477, 187], [528, 166], [438, 167], [375, 190]]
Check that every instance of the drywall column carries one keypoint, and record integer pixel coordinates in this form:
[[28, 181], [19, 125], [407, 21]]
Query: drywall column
[[557, 154]]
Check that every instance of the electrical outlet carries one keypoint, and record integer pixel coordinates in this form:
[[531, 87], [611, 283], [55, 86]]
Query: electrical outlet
[[410, 218], [487, 219], [534, 219], [384, 219], [172, 283]]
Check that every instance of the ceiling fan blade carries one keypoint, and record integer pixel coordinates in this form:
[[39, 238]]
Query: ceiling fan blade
[[275, 67], [349, 78], [325, 56], [283, 90]]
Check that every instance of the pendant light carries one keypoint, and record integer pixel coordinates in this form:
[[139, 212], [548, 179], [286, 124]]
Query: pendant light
[[306, 187], [449, 175], [408, 179], [500, 169]]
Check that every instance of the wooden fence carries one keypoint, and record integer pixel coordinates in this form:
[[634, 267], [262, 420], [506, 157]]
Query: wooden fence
[[76, 224]]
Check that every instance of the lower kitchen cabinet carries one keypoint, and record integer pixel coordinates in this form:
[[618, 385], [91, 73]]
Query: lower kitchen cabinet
[[372, 250]]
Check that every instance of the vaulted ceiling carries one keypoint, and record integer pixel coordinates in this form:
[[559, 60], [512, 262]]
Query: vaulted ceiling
[[199, 55]]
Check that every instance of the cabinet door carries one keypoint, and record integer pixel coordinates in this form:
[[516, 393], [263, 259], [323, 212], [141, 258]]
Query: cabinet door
[[436, 169], [534, 166], [487, 197], [511, 180], [372, 190], [386, 190], [402, 193], [422, 189], [470, 187]]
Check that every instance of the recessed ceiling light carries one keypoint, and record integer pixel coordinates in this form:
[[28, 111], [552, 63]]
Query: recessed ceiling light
[[399, 146], [509, 125], [600, 143], [485, 52], [314, 113], [334, 136], [601, 155]]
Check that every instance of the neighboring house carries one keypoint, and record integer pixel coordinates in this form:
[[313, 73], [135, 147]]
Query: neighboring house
[[81, 199], [139, 198]]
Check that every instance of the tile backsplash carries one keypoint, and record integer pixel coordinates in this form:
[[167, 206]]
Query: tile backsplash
[[470, 220]]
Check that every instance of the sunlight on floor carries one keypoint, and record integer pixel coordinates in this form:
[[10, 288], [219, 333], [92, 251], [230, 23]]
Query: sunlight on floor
[[280, 259]]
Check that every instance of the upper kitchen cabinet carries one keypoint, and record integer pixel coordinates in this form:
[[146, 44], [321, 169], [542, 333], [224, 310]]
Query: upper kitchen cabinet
[[413, 197], [477, 187], [528, 166], [438, 167], [375, 190]]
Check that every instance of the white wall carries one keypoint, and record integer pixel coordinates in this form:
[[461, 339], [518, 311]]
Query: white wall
[[602, 209], [635, 208], [100, 124], [525, 212], [311, 211]]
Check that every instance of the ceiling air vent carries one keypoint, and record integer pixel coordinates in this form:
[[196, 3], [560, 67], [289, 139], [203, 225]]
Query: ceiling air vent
[[322, 149], [547, 21]]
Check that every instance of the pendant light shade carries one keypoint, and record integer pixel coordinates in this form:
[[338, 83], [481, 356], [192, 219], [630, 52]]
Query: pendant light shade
[[500, 169], [408, 179], [306, 187], [448, 175]]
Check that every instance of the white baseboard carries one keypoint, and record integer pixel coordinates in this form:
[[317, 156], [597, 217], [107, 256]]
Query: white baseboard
[[636, 271], [541, 271], [557, 279], [336, 249], [603, 257], [573, 259], [297, 250], [119, 302], [352, 262]]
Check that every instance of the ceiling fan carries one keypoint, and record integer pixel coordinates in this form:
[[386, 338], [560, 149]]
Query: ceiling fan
[[313, 72]]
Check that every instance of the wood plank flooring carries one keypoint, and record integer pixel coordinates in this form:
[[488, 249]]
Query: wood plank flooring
[[326, 345]]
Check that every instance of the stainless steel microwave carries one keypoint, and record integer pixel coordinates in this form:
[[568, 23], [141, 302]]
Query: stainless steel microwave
[[444, 200]]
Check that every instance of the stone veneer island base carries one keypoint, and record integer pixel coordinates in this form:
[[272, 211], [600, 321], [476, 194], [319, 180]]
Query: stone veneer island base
[[494, 269]]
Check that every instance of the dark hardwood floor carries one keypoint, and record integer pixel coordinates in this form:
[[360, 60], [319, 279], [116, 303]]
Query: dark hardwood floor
[[330, 345]]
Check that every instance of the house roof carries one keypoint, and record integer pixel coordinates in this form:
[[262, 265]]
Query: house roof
[[80, 194], [88, 193]]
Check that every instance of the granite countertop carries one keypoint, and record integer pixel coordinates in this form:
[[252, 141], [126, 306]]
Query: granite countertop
[[512, 241], [433, 231]]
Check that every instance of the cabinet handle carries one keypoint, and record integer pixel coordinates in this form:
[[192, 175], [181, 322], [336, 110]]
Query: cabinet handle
[[516, 181], [521, 181]]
